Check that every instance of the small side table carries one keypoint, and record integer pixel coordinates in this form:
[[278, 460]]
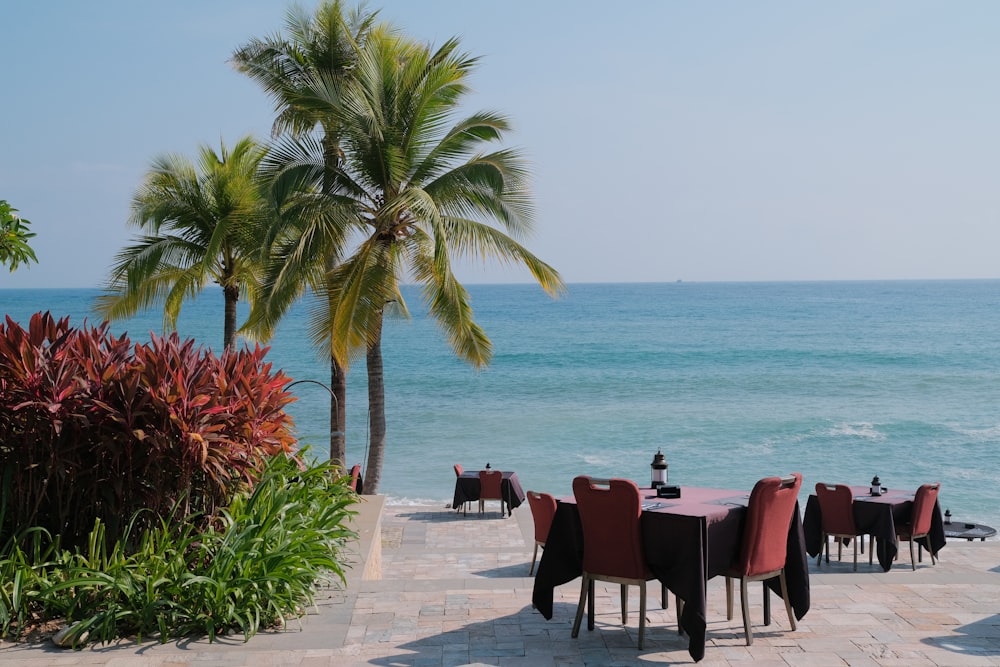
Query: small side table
[[969, 531]]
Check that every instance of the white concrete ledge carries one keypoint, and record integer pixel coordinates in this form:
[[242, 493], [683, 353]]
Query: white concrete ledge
[[364, 555]]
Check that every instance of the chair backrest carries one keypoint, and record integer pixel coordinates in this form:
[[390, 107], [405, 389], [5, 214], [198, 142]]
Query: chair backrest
[[769, 516], [458, 470], [543, 508], [612, 536], [836, 507], [489, 485], [924, 501], [355, 477]]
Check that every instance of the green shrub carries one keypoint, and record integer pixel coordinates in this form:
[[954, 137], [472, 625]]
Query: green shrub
[[260, 562], [93, 428]]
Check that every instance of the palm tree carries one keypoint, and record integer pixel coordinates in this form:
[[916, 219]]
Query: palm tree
[[426, 192], [202, 224], [319, 52]]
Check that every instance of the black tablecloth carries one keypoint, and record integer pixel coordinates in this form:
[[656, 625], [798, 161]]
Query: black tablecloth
[[876, 516], [684, 547], [467, 490]]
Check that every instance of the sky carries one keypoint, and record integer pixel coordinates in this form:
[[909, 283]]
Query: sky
[[668, 140]]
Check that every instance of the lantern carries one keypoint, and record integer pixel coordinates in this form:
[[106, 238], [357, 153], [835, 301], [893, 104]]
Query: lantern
[[876, 489], [658, 470]]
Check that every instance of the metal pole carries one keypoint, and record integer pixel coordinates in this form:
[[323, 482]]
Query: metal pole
[[332, 395]]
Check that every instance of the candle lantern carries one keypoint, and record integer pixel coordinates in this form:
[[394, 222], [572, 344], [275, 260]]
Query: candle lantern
[[947, 516], [876, 489], [658, 470]]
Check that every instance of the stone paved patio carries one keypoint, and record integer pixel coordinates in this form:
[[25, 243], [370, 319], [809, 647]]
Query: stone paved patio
[[455, 591]]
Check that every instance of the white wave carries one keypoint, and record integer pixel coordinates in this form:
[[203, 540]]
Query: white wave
[[864, 430], [600, 461], [417, 502], [764, 448], [980, 434]]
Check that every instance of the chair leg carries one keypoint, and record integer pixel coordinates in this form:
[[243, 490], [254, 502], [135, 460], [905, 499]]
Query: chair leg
[[855, 554], [680, 610], [871, 547], [784, 596], [729, 598], [624, 604], [584, 585], [826, 546], [766, 603], [746, 610], [913, 559], [930, 551], [642, 613], [534, 555], [590, 606]]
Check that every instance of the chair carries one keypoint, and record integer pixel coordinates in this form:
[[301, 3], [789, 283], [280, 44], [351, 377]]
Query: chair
[[356, 478], [836, 507], [465, 505], [612, 544], [490, 483], [765, 536], [919, 526], [543, 508]]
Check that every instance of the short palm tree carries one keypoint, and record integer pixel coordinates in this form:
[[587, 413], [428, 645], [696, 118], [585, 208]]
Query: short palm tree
[[318, 52], [425, 192], [202, 224]]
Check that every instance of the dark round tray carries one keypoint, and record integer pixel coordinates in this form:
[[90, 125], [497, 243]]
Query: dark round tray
[[969, 531]]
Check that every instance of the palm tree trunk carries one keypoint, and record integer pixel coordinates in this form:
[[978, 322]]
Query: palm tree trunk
[[376, 415], [232, 295], [338, 412]]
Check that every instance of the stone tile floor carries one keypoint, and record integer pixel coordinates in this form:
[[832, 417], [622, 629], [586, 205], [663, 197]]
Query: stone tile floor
[[455, 591]]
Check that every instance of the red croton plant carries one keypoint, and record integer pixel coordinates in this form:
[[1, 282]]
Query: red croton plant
[[94, 426]]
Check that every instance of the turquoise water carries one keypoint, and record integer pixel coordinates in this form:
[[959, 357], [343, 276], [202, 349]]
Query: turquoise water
[[733, 381]]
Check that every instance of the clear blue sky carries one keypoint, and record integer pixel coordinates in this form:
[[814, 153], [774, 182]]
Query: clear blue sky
[[669, 140]]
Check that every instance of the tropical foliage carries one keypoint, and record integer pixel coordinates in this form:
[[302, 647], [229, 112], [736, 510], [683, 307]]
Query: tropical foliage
[[258, 564], [423, 188], [319, 50], [14, 237], [202, 223], [93, 428]]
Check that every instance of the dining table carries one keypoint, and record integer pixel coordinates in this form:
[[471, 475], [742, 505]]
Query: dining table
[[877, 516], [467, 490], [686, 541]]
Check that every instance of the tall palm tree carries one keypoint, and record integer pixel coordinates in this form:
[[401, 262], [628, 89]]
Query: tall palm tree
[[319, 52], [202, 224], [426, 191]]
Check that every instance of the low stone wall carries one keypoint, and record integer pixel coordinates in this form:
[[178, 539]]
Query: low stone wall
[[365, 554]]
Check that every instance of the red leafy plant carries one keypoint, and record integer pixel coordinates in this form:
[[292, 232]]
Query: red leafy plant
[[92, 426]]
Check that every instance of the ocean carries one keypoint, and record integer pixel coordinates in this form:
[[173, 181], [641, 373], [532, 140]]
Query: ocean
[[840, 381]]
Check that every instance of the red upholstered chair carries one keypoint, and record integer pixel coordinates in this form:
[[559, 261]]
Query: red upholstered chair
[[489, 488], [919, 527], [836, 507], [355, 477], [612, 544], [543, 508], [765, 536]]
